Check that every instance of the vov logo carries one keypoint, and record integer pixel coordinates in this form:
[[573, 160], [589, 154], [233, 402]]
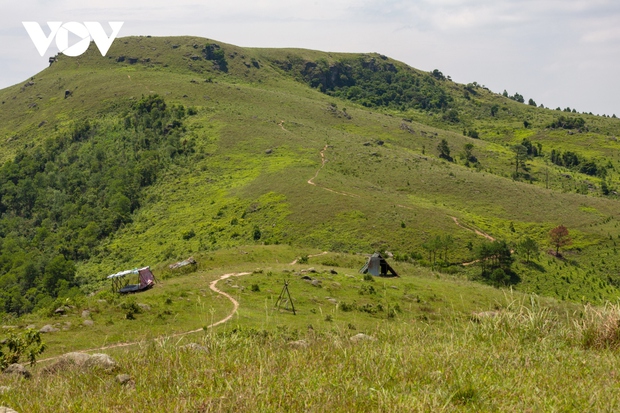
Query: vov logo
[[86, 32]]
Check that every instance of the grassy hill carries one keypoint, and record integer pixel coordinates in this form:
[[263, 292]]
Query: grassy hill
[[251, 159], [260, 120]]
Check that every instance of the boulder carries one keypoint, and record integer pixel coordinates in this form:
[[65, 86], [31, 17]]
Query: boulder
[[18, 370], [4, 409], [48, 328], [268, 151], [82, 360], [88, 323], [123, 378], [85, 314], [316, 283]]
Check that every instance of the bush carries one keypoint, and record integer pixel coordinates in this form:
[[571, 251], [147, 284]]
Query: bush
[[25, 345]]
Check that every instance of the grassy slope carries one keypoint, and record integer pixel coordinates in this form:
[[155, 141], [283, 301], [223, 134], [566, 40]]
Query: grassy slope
[[403, 194], [430, 355]]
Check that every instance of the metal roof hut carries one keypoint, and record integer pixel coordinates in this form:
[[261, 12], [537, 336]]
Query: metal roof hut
[[378, 266], [121, 285]]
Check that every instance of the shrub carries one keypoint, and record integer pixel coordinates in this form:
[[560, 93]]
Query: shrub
[[255, 288], [25, 345]]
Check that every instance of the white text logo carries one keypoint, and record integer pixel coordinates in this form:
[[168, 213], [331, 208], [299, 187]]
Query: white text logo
[[86, 32]]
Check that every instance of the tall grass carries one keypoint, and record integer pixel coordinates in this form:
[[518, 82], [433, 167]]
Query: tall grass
[[525, 357]]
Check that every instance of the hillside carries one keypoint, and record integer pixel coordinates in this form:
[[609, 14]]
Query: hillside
[[274, 166], [226, 157]]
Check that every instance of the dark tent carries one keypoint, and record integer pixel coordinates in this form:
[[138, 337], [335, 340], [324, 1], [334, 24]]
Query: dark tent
[[378, 266]]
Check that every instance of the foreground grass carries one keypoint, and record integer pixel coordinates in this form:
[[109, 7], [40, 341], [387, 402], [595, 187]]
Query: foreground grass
[[523, 358]]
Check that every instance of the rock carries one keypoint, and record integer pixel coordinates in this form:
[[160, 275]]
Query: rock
[[298, 344], [268, 151], [144, 307], [316, 283], [48, 329], [307, 278], [4, 389], [60, 310], [332, 300], [194, 347], [123, 378], [362, 337], [66, 326], [394, 287], [88, 323], [30, 327], [85, 314], [82, 360], [4, 409], [17, 369], [312, 270], [332, 271], [380, 142]]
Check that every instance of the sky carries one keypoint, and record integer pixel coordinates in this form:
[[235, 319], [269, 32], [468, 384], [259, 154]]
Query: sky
[[561, 53]]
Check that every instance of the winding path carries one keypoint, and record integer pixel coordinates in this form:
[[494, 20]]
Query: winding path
[[212, 286]]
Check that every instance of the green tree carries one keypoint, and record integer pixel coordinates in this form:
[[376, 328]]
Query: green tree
[[494, 110], [531, 102], [444, 150], [528, 247], [57, 270], [521, 156]]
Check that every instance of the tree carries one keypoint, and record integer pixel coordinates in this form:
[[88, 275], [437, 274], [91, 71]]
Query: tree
[[494, 110], [559, 237], [528, 247], [531, 102], [468, 153], [444, 150], [521, 156], [494, 256]]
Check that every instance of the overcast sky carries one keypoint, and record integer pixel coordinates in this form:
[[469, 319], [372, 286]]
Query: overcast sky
[[558, 52]]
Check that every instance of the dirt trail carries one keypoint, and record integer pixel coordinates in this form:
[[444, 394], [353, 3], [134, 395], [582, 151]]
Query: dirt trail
[[212, 286], [311, 180], [309, 256], [281, 124], [482, 234]]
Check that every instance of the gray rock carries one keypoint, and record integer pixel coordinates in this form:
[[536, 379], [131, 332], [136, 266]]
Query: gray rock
[[311, 269], [316, 283], [102, 360], [89, 323], [17, 369], [48, 329], [83, 360], [332, 300], [144, 307], [268, 151], [31, 327], [85, 314], [123, 378], [4, 409], [362, 337]]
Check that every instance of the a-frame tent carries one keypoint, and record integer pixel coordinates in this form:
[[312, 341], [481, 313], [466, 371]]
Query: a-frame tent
[[378, 266]]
